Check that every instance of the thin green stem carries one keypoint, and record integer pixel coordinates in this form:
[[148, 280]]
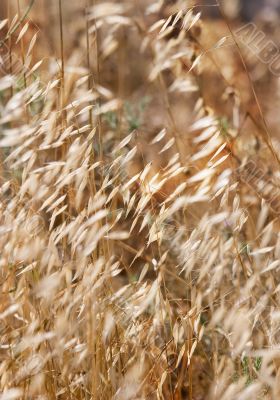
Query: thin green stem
[[15, 28]]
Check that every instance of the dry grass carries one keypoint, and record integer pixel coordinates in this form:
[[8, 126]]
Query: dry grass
[[139, 259]]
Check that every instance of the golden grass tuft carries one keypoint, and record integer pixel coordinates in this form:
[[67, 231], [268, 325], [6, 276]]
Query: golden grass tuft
[[139, 210]]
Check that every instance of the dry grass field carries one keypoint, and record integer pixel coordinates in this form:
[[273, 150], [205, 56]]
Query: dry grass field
[[139, 204]]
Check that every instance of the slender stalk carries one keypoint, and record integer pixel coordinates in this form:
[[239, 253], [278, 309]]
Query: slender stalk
[[97, 80], [265, 126], [22, 49], [15, 28], [62, 73], [90, 80]]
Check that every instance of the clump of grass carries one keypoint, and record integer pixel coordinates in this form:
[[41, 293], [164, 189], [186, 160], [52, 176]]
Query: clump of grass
[[120, 280]]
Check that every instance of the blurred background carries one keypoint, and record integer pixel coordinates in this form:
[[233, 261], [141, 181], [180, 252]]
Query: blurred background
[[44, 13], [245, 9], [44, 20]]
